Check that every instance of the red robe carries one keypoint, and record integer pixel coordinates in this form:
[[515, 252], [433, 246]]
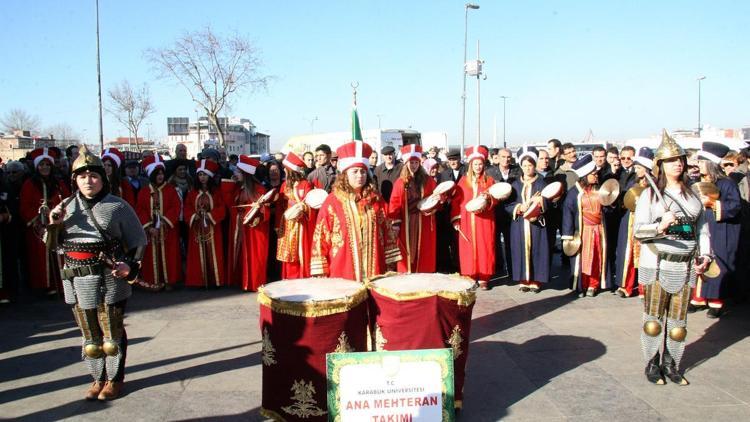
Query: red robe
[[417, 237], [127, 193], [205, 245], [43, 266], [295, 237], [476, 239], [161, 260], [353, 239], [247, 249]]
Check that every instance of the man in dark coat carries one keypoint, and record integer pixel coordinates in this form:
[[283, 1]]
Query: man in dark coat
[[387, 172]]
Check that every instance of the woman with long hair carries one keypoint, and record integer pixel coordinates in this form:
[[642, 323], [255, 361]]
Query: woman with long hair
[[476, 228], [670, 223], [530, 255], [113, 159], [204, 212], [723, 218], [295, 229], [247, 250], [352, 238], [415, 230], [158, 207], [39, 194]]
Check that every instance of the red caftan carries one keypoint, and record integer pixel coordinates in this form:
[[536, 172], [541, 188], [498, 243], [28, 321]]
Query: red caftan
[[417, 237], [247, 250], [353, 239], [205, 258], [161, 260], [476, 238], [127, 193], [295, 237], [43, 267]]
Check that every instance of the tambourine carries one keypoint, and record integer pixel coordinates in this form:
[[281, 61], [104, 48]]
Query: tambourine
[[444, 187], [256, 208], [427, 205], [315, 198], [477, 204], [533, 212], [294, 212], [553, 191], [500, 190]]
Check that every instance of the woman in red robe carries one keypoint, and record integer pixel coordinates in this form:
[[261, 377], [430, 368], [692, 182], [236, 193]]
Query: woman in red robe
[[353, 238], [39, 194], [158, 208], [113, 159], [247, 251], [416, 230], [295, 234], [204, 212], [476, 230]]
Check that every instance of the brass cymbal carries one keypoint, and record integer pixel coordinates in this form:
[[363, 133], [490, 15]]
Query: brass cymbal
[[609, 191], [572, 246], [631, 197], [713, 270], [707, 189]]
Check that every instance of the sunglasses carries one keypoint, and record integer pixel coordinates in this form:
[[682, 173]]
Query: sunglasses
[[626, 158]]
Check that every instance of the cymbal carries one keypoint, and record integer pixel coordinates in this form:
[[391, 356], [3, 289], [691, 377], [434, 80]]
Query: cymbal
[[572, 246], [631, 197], [713, 270], [609, 191], [707, 189]]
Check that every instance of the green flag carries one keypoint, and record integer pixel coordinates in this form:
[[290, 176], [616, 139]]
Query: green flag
[[356, 132]]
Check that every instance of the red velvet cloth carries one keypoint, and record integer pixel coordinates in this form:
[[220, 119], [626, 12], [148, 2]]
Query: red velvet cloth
[[424, 323], [300, 345]]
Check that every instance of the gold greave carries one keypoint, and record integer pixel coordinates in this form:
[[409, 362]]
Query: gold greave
[[111, 322], [92, 335]]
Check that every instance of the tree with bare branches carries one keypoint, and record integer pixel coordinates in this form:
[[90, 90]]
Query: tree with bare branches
[[19, 119], [213, 69], [130, 106]]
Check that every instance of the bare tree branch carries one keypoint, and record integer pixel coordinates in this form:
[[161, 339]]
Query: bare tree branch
[[213, 69], [130, 107], [19, 119]]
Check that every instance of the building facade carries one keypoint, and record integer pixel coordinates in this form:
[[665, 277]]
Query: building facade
[[240, 136]]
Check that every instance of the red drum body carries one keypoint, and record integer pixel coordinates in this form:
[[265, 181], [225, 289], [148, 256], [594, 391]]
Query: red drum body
[[535, 210], [300, 321], [424, 311]]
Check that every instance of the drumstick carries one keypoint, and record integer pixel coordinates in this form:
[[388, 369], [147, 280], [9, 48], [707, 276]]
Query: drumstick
[[462, 233]]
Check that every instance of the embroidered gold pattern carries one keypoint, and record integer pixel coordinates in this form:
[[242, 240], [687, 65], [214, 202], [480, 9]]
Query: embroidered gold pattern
[[455, 342], [343, 346], [336, 240], [305, 405], [268, 351], [380, 341]]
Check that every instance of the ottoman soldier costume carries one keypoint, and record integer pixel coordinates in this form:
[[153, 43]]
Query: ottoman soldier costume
[[100, 237], [670, 224]]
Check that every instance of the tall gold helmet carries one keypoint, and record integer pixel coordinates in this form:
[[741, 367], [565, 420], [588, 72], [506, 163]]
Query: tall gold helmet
[[668, 149], [86, 160]]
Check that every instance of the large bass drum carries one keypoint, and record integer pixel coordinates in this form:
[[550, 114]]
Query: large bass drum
[[423, 311], [300, 321]]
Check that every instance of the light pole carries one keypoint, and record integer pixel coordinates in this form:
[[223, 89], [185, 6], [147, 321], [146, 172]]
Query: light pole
[[700, 78], [505, 145], [312, 124], [463, 94], [99, 80], [379, 116]]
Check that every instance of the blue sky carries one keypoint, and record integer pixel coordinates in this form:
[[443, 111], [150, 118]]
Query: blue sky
[[623, 69]]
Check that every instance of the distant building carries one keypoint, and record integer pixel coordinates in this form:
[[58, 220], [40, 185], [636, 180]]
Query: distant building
[[16, 145], [240, 135]]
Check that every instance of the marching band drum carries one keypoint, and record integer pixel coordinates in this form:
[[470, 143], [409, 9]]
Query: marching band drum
[[300, 321], [423, 311]]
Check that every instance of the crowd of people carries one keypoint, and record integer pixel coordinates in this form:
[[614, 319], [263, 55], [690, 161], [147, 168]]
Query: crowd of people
[[243, 221]]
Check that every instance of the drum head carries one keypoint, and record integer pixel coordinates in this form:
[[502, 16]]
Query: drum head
[[444, 187], [311, 289], [293, 212], [501, 190], [415, 286], [315, 198], [534, 211], [268, 195], [553, 190], [476, 205], [428, 204]]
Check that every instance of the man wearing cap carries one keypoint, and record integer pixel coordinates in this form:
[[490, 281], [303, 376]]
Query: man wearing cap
[[102, 242], [324, 174], [387, 172], [628, 247], [583, 225], [504, 172], [447, 241], [723, 218], [455, 169]]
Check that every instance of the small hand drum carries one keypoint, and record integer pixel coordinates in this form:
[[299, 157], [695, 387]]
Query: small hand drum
[[294, 212], [477, 205], [315, 198], [553, 191], [255, 210], [501, 190]]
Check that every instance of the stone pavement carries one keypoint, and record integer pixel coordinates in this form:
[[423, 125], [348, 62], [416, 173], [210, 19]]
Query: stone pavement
[[195, 355]]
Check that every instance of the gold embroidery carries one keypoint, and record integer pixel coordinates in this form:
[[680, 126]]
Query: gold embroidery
[[305, 405], [343, 346], [268, 351], [336, 240], [455, 342], [380, 341]]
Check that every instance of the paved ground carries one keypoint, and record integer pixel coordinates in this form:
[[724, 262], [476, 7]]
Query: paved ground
[[550, 356]]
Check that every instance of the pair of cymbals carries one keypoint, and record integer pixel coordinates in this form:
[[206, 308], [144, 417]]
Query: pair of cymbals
[[608, 192]]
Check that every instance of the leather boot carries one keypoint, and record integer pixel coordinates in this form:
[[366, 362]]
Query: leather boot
[[653, 371], [110, 391], [669, 369], [93, 392]]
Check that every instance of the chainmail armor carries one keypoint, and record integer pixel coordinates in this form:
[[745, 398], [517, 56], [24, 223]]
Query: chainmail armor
[[675, 348], [650, 344]]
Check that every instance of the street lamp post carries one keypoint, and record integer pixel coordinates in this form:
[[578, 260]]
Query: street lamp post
[[312, 124], [379, 116], [463, 94], [505, 145], [99, 80], [700, 78]]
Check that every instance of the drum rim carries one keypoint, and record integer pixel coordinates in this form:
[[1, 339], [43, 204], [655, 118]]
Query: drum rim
[[310, 308], [464, 298]]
